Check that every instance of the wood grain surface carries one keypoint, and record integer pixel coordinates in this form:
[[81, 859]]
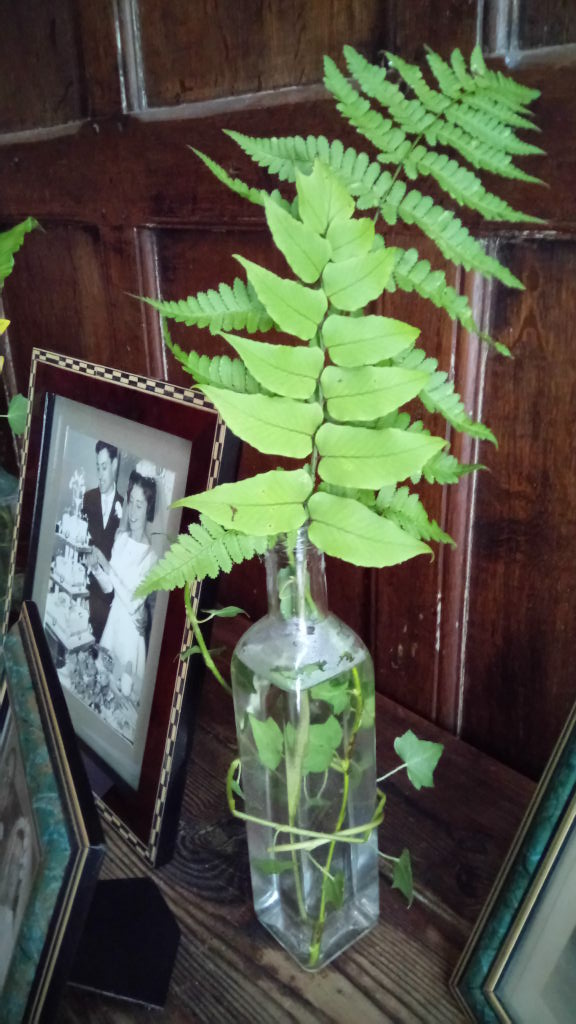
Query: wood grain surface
[[229, 969]]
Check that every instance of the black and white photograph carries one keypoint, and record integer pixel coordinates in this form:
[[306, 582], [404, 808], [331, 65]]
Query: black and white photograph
[[105, 522], [19, 845]]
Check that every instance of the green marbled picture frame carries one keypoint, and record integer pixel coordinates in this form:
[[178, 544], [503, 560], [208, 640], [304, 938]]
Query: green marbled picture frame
[[521, 956], [45, 896]]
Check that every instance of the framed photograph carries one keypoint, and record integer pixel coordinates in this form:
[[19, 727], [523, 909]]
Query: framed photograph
[[106, 453], [51, 842], [520, 963]]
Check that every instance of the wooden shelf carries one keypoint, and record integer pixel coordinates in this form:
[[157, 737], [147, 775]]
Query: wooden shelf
[[229, 969]]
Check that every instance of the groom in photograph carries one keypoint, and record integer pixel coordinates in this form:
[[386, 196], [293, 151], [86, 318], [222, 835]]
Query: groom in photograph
[[103, 509]]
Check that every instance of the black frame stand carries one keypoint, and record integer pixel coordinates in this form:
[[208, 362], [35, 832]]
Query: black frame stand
[[129, 943]]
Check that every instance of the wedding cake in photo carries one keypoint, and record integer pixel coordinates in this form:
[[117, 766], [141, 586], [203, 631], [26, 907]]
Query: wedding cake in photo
[[67, 610]]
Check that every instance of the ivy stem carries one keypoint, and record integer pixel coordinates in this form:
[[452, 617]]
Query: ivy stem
[[320, 922], [208, 660]]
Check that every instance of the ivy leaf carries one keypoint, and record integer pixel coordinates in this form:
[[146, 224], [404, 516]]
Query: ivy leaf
[[323, 740], [223, 613], [366, 340], [17, 413], [265, 504], [344, 528], [305, 251], [322, 198], [293, 307], [195, 649], [365, 393], [349, 238], [288, 371], [334, 889], [351, 284], [272, 866], [420, 758], [402, 876], [334, 693], [360, 457], [269, 741], [275, 426]]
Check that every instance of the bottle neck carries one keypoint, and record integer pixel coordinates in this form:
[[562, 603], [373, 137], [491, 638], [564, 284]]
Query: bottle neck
[[295, 578]]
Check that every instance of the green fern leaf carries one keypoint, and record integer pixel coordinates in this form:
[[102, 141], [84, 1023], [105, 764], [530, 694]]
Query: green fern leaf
[[258, 196], [439, 395], [347, 529], [221, 371], [488, 157], [205, 551], [10, 242], [235, 308], [444, 468], [407, 511]]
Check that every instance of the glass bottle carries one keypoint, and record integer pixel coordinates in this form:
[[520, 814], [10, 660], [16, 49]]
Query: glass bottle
[[303, 686]]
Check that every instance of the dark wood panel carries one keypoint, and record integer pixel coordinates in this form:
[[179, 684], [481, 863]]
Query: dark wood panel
[[65, 296], [545, 23], [519, 679], [41, 82], [200, 51], [100, 36], [434, 23]]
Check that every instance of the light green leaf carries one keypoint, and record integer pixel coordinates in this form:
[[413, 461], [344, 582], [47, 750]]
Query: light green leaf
[[349, 238], [351, 284], [366, 340], [293, 307], [292, 372], [272, 865], [265, 504], [334, 693], [322, 198], [365, 393], [305, 251], [420, 758], [344, 528], [17, 413], [222, 613], [335, 890], [360, 457], [275, 426], [269, 741], [402, 877], [323, 740], [10, 242]]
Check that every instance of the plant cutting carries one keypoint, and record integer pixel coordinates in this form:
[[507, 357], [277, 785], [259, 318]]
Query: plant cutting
[[334, 400], [10, 242]]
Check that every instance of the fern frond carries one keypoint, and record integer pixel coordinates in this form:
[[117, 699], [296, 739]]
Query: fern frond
[[490, 157], [235, 308], [439, 395], [10, 242], [413, 274], [444, 468], [219, 371], [258, 196], [406, 510], [458, 181], [205, 551], [380, 131]]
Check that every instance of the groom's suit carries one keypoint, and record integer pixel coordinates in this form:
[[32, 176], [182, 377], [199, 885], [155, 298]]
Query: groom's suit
[[101, 536]]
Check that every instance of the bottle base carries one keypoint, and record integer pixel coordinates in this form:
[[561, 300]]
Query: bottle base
[[297, 937]]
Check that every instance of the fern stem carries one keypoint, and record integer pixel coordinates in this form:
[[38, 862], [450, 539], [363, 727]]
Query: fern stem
[[208, 660]]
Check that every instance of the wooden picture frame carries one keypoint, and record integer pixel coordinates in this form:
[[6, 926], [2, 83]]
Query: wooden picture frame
[[51, 842], [520, 962], [131, 698]]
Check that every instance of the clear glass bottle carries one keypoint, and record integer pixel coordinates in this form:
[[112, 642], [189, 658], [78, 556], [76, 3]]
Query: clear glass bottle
[[303, 687]]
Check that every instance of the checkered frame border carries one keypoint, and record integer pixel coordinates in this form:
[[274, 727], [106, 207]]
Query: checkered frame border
[[123, 378]]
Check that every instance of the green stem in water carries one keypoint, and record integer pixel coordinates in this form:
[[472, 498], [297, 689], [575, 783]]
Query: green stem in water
[[295, 752], [208, 660], [321, 920]]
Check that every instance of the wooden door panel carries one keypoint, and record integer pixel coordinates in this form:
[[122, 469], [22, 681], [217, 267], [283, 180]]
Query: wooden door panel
[[201, 51], [519, 681], [41, 82]]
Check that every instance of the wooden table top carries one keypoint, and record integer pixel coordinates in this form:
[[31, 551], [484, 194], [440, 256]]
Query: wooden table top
[[229, 969]]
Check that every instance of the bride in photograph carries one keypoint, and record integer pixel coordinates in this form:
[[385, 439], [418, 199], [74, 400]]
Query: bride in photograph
[[131, 559]]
